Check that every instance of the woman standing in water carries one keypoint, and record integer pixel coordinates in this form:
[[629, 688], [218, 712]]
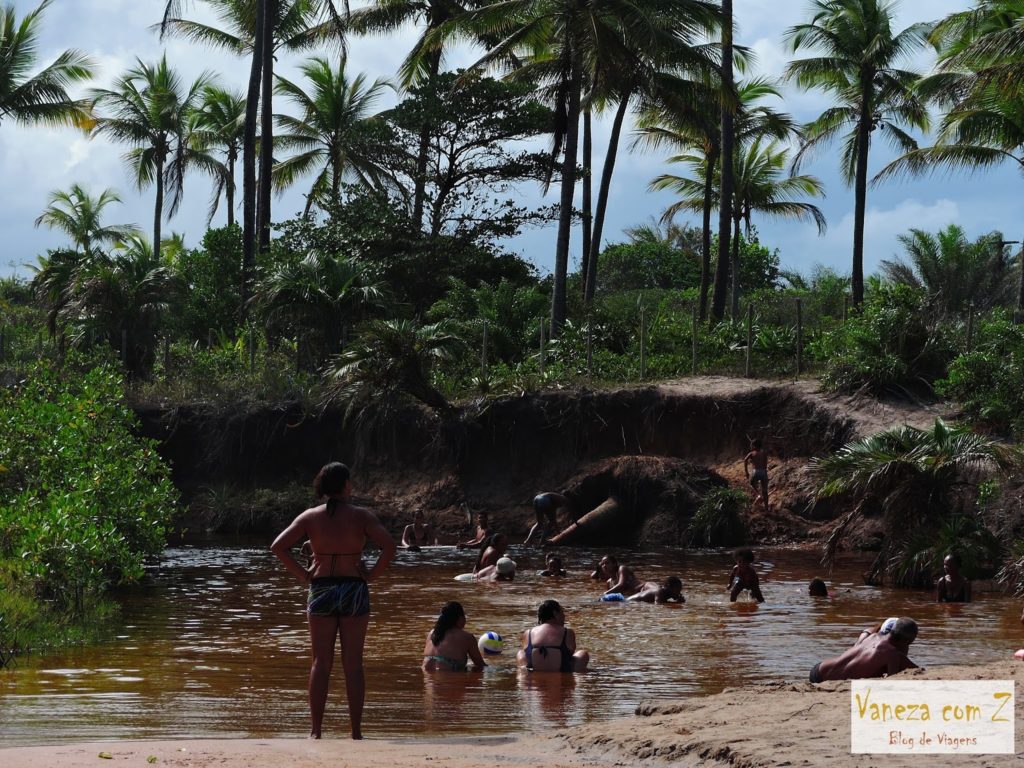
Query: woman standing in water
[[339, 599]]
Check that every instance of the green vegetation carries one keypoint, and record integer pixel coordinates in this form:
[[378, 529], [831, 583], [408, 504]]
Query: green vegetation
[[84, 501]]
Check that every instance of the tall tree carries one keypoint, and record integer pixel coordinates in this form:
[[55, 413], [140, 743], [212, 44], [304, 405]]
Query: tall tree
[[424, 60], [333, 132], [858, 66], [149, 109], [219, 126], [560, 43], [686, 125], [42, 97], [726, 173], [80, 216]]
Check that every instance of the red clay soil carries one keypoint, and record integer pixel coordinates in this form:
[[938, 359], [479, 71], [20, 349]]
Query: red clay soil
[[659, 448]]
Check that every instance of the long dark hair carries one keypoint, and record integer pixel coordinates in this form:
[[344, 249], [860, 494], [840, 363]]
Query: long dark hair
[[329, 480], [447, 619]]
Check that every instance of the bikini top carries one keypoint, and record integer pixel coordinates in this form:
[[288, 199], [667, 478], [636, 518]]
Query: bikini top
[[334, 555], [565, 663]]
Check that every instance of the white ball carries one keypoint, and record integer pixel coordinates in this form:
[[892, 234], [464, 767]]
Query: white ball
[[491, 643]]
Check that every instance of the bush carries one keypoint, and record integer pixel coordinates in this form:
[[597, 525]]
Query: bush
[[718, 522], [84, 500]]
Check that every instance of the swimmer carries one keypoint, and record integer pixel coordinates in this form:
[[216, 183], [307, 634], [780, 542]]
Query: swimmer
[[878, 655], [758, 459], [952, 587], [671, 590], [492, 550], [551, 646], [743, 576], [503, 570], [818, 588], [449, 646], [553, 567], [417, 534], [619, 578], [483, 531], [545, 507]]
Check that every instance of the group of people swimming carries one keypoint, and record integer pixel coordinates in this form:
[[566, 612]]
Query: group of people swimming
[[335, 533]]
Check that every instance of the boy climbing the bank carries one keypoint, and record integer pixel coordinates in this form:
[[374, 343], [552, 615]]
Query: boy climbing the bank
[[758, 459], [743, 576]]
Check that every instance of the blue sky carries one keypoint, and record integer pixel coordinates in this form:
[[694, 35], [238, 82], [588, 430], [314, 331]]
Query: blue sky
[[35, 161]]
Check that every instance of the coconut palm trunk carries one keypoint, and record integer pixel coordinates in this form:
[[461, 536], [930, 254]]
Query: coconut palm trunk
[[266, 125], [229, 187], [588, 207], [725, 198], [734, 259], [158, 211], [572, 136], [602, 194], [860, 194], [705, 243], [249, 191]]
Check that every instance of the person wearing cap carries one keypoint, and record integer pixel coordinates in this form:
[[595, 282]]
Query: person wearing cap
[[503, 570], [492, 550], [878, 654]]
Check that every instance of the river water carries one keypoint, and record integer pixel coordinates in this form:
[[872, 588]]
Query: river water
[[214, 644]]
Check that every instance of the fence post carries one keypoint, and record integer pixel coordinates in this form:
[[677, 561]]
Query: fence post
[[483, 356], [750, 337], [643, 345], [799, 336], [970, 327], [542, 346], [693, 362]]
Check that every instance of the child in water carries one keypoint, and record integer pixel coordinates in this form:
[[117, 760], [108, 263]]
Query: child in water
[[818, 588], [669, 591], [743, 576]]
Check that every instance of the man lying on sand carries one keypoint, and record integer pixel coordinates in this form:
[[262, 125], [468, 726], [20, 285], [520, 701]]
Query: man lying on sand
[[874, 655]]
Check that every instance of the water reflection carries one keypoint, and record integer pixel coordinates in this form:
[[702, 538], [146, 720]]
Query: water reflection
[[215, 644]]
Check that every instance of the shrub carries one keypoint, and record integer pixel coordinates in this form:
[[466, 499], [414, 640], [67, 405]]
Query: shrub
[[718, 522]]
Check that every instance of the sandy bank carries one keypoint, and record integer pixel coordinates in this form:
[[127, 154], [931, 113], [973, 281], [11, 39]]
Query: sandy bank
[[778, 724]]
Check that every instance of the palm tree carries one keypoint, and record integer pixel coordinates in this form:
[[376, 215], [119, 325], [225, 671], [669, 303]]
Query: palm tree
[[684, 127], [393, 358], [562, 42], [726, 174], [953, 270], [859, 56], [259, 28], [332, 133], [149, 109], [79, 215], [760, 186], [318, 296], [219, 125], [912, 476], [42, 97]]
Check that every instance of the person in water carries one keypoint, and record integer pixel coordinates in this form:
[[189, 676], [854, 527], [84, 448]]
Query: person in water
[[503, 570], [449, 646], [620, 579], [877, 655], [758, 459], [818, 588], [952, 587], [491, 551], [553, 567], [545, 509], [669, 591], [743, 576], [417, 534], [338, 603], [551, 646], [483, 532]]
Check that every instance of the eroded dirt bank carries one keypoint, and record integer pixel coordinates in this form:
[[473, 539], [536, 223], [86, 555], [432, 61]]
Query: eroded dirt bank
[[661, 447]]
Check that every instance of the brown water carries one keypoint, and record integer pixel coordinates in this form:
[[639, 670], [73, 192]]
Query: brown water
[[215, 645]]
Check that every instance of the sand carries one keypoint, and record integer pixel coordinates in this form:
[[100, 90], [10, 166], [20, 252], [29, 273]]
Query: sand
[[775, 724]]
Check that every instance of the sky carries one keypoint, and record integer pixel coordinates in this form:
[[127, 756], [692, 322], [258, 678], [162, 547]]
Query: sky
[[34, 161]]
